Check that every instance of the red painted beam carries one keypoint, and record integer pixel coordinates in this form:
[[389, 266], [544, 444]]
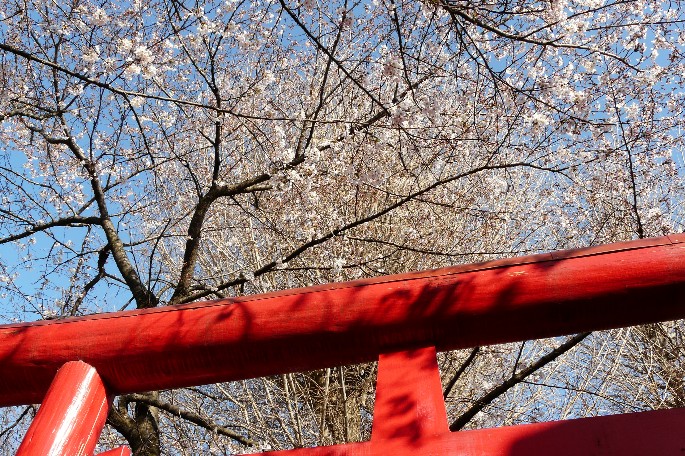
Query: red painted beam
[[296, 330], [633, 434], [409, 419], [72, 415]]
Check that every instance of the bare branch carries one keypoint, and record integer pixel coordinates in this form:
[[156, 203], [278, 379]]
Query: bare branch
[[514, 380], [73, 221], [191, 417], [143, 296], [190, 254], [467, 362], [524, 38]]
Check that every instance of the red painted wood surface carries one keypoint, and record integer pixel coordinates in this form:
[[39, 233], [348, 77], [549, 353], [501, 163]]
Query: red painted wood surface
[[410, 419], [655, 433], [72, 415], [409, 404], [296, 330]]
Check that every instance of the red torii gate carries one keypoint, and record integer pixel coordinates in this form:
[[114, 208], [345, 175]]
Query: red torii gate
[[75, 366]]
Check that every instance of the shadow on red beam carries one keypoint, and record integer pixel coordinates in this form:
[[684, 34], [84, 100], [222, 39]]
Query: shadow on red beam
[[634, 434], [344, 323]]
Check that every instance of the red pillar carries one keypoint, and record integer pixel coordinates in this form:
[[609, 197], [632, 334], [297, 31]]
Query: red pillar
[[72, 415], [409, 406]]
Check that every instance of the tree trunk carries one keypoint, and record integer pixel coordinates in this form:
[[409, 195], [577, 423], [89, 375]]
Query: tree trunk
[[141, 431]]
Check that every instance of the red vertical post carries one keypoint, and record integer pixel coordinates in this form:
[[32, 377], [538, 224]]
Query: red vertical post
[[409, 407], [71, 416]]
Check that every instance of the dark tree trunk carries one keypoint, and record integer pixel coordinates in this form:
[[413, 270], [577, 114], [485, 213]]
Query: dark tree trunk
[[141, 431]]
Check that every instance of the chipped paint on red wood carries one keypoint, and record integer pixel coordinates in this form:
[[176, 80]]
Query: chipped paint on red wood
[[676, 238], [72, 415], [297, 330]]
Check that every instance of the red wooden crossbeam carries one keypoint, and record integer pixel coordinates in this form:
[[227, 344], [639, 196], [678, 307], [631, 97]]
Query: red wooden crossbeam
[[410, 419], [501, 301], [296, 330]]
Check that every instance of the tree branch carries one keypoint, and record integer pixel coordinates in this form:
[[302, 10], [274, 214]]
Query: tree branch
[[460, 371], [328, 53], [631, 170], [127, 94], [191, 252], [191, 417], [339, 231], [143, 296], [515, 379], [66, 221], [525, 39]]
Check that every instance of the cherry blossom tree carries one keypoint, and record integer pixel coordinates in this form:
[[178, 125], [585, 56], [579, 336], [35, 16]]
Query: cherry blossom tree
[[158, 153]]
